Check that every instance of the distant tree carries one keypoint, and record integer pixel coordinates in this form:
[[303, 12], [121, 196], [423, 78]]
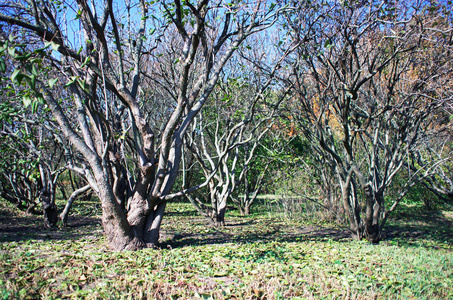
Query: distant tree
[[32, 153], [363, 96], [224, 138], [19, 174]]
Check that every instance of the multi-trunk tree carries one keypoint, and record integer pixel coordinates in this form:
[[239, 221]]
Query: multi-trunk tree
[[33, 155], [224, 140], [30, 167], [106, 53], [365, 96]]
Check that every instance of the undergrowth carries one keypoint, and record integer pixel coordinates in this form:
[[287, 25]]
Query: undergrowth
[[256, 257]]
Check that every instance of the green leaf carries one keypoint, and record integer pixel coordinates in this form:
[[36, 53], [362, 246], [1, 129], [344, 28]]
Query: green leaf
[[12, 52], [52, 82], [2, 65], [34, 107], [40, 50], [80, 50], [40, 98], [84, 86], [3, 45], [32, 82], [87, 60], [71, 81], [34, 71], [36, 61], [14, 75], [23, 57], [54, 46], [26, 100]]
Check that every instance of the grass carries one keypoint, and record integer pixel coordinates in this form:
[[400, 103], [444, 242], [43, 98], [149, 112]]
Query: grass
[[256, 257]]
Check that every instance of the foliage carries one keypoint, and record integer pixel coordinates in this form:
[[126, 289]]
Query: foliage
[[31, 150]]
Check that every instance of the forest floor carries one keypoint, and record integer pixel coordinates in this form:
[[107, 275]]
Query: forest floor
[[261, 256]]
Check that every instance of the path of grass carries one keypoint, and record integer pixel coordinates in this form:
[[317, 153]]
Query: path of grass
[[251, 258]]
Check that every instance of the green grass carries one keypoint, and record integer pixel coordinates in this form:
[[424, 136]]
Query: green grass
[[257, 257]]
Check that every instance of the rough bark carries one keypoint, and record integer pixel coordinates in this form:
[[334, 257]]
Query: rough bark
[[220, 214]]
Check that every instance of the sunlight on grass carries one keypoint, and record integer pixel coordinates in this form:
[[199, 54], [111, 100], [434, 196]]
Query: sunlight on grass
[[251, 258]]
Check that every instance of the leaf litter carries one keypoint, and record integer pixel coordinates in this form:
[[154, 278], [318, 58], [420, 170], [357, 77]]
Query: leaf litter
[[257, 257]]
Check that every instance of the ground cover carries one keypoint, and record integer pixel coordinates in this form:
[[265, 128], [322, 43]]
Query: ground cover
[[262, 256]]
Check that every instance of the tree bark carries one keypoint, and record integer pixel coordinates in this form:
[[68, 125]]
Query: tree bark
[[153, 223], [49, 209], [372, 215], [74, 195], [220, 217]]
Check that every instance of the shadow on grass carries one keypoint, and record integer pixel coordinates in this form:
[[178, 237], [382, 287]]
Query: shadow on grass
[[271, 233], [187, 213], [23, 228], [407, 227], [412, 225], [250, 222]]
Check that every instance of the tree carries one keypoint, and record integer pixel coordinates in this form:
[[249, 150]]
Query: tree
[[104, 118], [32, 156], [225, 137], [363, 97]]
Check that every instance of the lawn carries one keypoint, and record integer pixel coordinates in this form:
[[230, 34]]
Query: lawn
[[263, 256]]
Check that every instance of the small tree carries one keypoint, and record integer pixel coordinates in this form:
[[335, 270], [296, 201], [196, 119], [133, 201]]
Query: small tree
[[32, 155], [224, 140]]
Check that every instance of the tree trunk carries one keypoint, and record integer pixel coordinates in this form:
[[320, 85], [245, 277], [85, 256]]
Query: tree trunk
[[221, 209], [139, 211], [202, 209], [153, 223], [352, 209], [246, 210], [373, 210], [74, 195], [244, 204], [345, 193], [49, 209], [114, 221], [220, 218]]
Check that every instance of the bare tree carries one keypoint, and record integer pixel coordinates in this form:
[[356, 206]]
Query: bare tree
[[33, 160], [104, 116], [224, 143], [362, 98]]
